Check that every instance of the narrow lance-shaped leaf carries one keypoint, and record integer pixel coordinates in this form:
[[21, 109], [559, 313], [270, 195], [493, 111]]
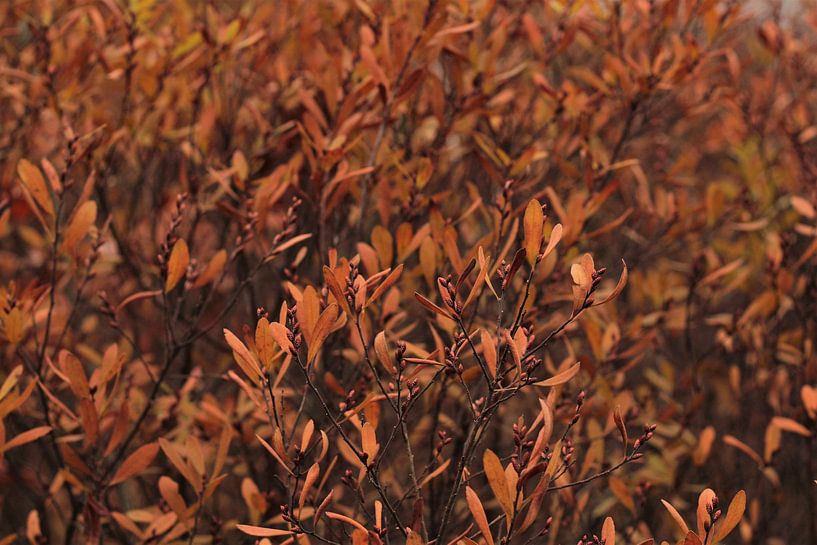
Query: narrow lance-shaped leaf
[[139, 460], [177, 264], [26, 437], [497, 481], [622, 429], [732, 517], [478, 512], [322, 329], [243, 357], [258, 531], [533, 224], [560, 378]]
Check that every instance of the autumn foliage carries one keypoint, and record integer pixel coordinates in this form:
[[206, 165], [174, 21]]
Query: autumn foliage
[[419, 272]]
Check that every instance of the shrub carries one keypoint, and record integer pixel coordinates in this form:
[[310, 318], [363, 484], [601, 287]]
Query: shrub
[[436, 271]]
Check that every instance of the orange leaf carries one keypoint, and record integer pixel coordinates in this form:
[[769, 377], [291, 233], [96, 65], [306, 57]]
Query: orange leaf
[[323, 327], [622, 282], [77, 380], [26, 437], [79, 226], [478, 513], [705, 498], [555, 237], [622, 429], [381, 348], [369, 442], [533, 224], [212, 270], [431, 306], [243, 357], [36, 186], [264, 342], [746, 449], [732, 518], [309, 480], [385, 284], [136, 462], [676, 516], [560, 378], [498, 481], [608, 532], [258, 531], [489, 351], [789, 425], [177, 264], [347, 520]]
